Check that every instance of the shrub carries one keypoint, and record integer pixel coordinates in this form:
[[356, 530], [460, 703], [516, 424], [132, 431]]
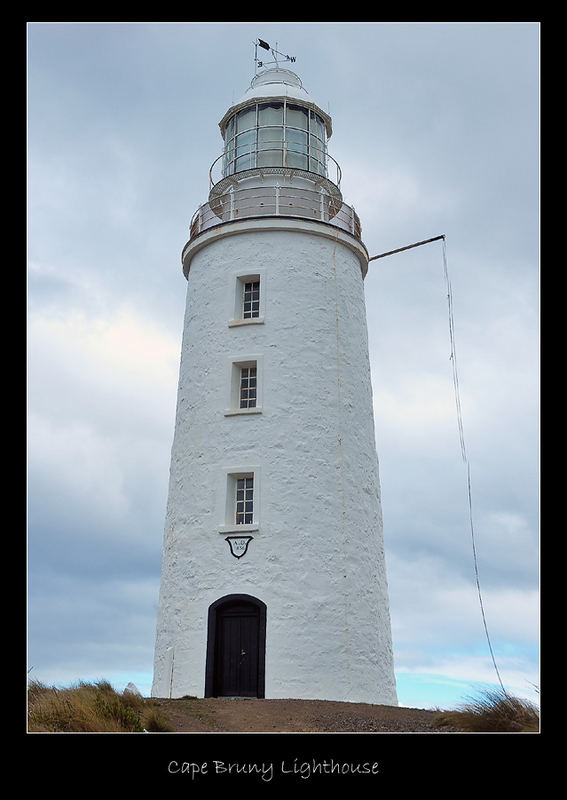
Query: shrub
[[90, 707], [111, 707], [494, 711], [155, 721]]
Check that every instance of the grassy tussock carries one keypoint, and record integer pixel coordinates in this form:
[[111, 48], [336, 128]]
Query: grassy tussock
[[493, 712], [89, 708]]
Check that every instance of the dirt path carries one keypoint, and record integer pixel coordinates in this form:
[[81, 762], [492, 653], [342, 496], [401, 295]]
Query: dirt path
[[269, 716]]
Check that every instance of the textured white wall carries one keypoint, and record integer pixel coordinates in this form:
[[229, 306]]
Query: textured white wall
[[317, 557]]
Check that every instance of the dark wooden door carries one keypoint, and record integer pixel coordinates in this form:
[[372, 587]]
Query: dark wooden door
[[237, 650]]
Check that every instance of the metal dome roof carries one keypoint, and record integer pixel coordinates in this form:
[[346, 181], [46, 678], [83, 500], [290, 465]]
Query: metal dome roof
[[276, 84]]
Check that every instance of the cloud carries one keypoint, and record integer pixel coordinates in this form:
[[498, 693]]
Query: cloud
[[101, 413], [84, 629], [438, 629], [109, 369], [456, 679]]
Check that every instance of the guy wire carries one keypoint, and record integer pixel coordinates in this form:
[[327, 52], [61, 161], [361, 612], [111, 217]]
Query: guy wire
[[453, 358]]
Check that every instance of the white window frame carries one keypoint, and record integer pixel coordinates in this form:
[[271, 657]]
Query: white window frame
[[235, 365], [227, 508], [240, 280]]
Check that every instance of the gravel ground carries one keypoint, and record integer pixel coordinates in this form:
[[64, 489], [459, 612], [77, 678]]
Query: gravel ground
[[270, 716]]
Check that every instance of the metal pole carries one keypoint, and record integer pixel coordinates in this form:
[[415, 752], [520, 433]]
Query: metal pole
[[407, 247]]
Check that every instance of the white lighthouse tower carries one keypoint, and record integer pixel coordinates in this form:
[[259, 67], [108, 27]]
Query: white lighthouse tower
[[273, 578]]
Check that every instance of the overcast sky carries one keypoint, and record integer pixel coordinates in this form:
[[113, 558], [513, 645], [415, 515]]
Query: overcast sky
[[436, 130]]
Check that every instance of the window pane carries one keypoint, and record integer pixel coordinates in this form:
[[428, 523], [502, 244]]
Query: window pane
[[270, 157], [296, 150], [316, 166], [270, 114], [269, 138], [242, 163], [229, 130], [296, 161], [244, 511], [297, 140], [296, 117], [246, 119], [316, 148], [245, 142], [316, 155], [247, 400], [228, 164], [317, 126], [251, 306], [270, 147]]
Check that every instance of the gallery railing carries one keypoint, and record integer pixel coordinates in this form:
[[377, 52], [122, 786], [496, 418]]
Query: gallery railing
[[275, 153], [275, 201]]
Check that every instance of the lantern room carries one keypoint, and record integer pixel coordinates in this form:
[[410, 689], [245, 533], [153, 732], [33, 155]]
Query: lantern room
[[276, 124], [278, 132]]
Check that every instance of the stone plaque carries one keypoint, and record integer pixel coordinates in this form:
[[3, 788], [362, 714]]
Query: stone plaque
[[238, 545]]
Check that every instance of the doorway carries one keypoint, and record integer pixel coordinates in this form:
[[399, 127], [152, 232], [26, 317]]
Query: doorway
[[236, 647]]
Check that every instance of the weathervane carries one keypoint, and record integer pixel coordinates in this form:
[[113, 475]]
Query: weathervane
[[274, 51]]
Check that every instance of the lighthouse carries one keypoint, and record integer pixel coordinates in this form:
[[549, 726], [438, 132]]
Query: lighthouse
[[273, 574]]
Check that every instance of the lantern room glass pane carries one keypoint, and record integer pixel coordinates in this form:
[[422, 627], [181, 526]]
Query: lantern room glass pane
[[317, 166], [246, 119], [229, 131], [296, 142], [270, 114], [316, 149], [245, 142], [228, 163], [269, 138], [270, 158], [317, 126], [296, 117], [243, 162], [270, 147], [316, 156], [245, 150]]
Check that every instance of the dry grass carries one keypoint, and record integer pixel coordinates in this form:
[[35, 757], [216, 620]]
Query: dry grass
[[97, 707], [91, 707], [493, 711]]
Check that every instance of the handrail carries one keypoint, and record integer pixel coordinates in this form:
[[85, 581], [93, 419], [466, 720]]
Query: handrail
[[274, 201], [284, 149]]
